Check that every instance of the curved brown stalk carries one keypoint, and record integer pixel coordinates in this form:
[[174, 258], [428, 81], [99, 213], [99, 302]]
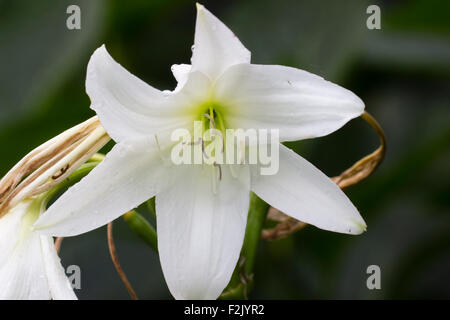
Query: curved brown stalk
[[367, 165], [58, 243], [115, 260], [355, 174]]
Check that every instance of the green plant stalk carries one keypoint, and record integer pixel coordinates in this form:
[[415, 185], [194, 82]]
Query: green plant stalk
[[242, 279], [151, 207], [140, 226]]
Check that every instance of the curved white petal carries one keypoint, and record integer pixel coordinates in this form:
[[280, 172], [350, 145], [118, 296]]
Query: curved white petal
[[200, 234], [58, 283], [181, 74], [128, 176], [302, 191], [215, 46], [29, 265], [301, 105], [127, 106], [22, 275], [10, 226]]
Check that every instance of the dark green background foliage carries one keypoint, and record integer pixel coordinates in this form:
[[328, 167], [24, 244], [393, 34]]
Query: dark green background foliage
[[401, 72]]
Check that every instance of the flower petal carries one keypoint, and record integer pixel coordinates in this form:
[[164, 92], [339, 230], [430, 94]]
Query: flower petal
[[200, 234], [301, 105], [126, 178], [22, 274], [181, 74], [215, 46], [302, 191], [127, 106], [10, 226], [58, 283]]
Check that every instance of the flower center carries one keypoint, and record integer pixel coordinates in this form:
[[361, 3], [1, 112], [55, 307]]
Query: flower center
[[211, 114]]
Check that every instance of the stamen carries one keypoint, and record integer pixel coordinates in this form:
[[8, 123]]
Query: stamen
[[212, 124], [200, 140], [222, 128], [61, 172], [220, 170], [203, 150]]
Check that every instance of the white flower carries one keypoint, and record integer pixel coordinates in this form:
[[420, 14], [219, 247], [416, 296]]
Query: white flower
[[30, 268], [200, 232]]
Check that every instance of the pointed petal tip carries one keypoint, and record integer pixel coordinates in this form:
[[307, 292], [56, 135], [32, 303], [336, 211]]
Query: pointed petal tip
[[100, 51], [199, 6], [358, 227], [102, 47]]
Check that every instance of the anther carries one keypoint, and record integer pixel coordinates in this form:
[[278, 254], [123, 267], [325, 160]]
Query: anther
[[220, 170], [200, 140], [61, 172], [211, 120]]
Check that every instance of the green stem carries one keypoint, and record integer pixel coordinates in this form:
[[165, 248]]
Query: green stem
[[151, 207], [242, 279], [139, 225]]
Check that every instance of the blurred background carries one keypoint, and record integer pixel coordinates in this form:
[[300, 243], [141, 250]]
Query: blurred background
[[402, 72]]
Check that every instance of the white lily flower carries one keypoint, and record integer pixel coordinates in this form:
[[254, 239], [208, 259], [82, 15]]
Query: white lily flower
[[30, 268], [200, 232]]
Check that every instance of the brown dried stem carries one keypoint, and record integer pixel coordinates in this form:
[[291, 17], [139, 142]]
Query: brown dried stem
[[58, 243], [355, 174], [367, 165], [115, 260]]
